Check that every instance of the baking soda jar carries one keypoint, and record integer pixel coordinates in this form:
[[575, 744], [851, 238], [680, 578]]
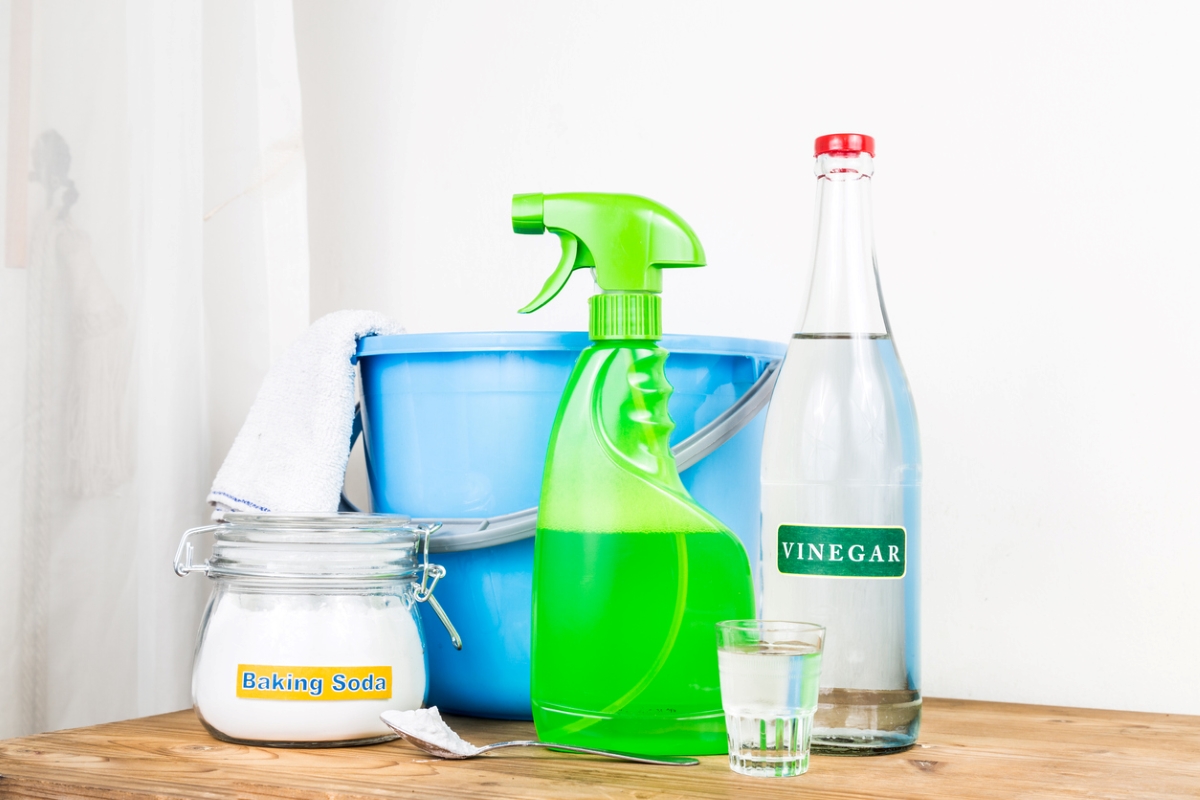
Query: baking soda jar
[[311, 630]]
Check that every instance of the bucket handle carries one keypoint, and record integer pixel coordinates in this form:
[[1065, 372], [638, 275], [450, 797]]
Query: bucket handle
[[729, 423], [465, 534]]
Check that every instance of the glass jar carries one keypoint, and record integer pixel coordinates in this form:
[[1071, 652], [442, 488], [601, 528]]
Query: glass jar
[[311, 630]]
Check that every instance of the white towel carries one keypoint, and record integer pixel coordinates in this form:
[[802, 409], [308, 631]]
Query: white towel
[[291, 452]]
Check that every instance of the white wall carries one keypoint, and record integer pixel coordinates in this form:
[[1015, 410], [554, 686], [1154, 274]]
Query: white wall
[[1036, 205]]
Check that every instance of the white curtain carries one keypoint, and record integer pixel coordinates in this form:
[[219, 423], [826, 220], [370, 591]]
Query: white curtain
[[155, 261]]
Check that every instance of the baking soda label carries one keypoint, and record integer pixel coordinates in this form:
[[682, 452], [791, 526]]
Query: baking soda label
[[269, 682], [836, 552]]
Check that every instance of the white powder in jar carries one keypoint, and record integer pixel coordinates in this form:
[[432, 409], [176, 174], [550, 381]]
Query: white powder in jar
[[302, 662]]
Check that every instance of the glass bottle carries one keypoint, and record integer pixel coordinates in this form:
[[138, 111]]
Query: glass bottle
[[841, 478]]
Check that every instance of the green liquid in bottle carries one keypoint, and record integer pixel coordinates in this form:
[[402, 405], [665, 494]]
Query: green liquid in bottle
[[627, 657], [624, 625]]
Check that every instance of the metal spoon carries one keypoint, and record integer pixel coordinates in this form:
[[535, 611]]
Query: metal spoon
[[468, 750]]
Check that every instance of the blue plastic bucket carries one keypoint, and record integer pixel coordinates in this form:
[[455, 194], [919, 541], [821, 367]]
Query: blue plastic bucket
[[456, 426]]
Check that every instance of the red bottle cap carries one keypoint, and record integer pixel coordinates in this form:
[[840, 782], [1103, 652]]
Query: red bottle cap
[[844, 143]]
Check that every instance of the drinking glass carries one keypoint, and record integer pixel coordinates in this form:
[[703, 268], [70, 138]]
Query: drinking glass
[[770, 672]]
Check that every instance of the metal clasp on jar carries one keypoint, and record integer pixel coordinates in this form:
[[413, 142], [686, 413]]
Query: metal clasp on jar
[[424, 592], [183, 553], [430, 573]]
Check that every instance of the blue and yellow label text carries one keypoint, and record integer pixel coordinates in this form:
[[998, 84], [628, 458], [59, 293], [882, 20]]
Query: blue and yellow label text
[[267, 682]]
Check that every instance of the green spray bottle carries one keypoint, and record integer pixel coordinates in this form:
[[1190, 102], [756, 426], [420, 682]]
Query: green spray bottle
[[630, 575]]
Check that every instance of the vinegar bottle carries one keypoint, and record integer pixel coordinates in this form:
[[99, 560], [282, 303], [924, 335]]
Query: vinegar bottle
[[841, 478]]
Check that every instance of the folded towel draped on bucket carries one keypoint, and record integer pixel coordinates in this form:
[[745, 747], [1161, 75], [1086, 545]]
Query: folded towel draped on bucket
[[291, 452]]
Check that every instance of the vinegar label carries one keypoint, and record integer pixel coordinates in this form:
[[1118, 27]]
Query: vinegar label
[[863, 552], [267, 682]]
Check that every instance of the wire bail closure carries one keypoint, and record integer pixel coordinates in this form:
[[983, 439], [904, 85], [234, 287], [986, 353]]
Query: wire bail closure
[[424, 593], [184, 563], [183, 554]]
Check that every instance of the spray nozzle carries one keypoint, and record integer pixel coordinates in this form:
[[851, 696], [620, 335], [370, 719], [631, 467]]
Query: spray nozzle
[[626, 238]]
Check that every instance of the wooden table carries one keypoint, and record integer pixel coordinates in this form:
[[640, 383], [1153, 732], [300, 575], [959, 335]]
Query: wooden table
[[967, 750]]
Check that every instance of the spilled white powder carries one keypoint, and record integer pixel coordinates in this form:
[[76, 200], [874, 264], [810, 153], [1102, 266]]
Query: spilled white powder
[[427, 724], [287, 631]]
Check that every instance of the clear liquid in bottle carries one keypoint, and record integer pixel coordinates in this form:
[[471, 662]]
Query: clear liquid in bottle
[[841, 477]]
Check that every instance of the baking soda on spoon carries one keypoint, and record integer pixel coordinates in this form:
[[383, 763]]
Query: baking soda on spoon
[[427, 724]]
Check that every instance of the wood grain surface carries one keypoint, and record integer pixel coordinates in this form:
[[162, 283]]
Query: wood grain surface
[[967, 750]]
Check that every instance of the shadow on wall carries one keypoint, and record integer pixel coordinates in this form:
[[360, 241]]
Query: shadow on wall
[[77, 440]]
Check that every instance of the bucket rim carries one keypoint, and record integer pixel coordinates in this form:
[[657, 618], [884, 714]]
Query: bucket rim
[[493, 341]]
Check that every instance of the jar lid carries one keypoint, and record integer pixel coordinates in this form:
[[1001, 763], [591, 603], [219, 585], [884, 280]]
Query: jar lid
[[325, 547]]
